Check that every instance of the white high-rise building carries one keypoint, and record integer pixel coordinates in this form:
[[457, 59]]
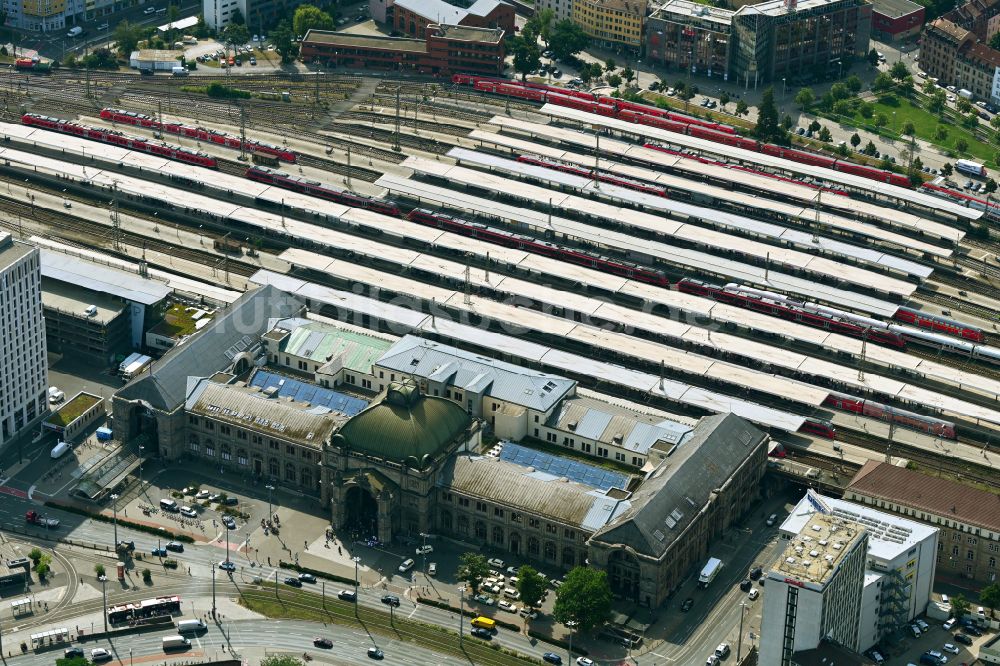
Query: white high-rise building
[[24, 374], [814, 590]]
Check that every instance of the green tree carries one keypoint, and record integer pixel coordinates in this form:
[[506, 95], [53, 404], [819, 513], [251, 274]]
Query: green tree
[[870, 148], [855, 140], [909, 129], [824, 135], [805, 98], [568, 39], [585, 598], [237, 17], [72, 661], [35, 554], [959, 606], [614, 80], [929, 87], [995, 120], [235, 34], [724, 100], [540, 24], [768, 127], [281, 660], [946, 170], [610, 65], [995, 41], [282, 37], [531, 586], [883, 83], [472, 569], [853, 84], [527, 57], [913, 173], [127, 37], [898, 71], [918, 164], [843, 108], [308, 17], [937, 101], [963, 105], [873, 58], [628, 74], [881, 120], [866, 109], [99, 569], [741, 108], [814, 126], [843, 150], [839, 91], [990, 187], [961, 145], [941, 134], [786, 122]]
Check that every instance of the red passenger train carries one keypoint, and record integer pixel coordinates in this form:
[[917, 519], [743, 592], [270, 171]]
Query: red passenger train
[[318, 189], [603, 176], [529, 244], [940, 324], [820, 428], [118, 139], [901, 417], [199, 133], [787, 310]]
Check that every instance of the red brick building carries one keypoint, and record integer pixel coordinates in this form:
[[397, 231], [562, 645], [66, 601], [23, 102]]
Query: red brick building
[[896, 20], [413, 17], [446, 49]]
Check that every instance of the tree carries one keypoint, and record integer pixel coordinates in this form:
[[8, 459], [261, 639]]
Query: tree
[[961, 145], [995, 41], [866, 109], [918, 164], [540, 24], [898, 71], [741, 108], [814, 126], [853, 84], [824, 135], [610, 65], [843, 150], [237, 17], [127, 37], [786, 122], [614, 80], [472, 569], [873, 58], [843, 108], [235, 34], [989, 596], [531, 586], [147, 576], [946, 170], [282, 38], [991, 187], [72, 661], [839, 91], [568, 39], [527, 57], [856, 140], [805, 98], [929, 86], [881, 120], [909, 129], [768, 127], [724, 100], [281, 660], [963, 105], [870, 149], [628, 74], [937, 101], [959, 606], [585, 598], [35, 555], [883, 83], [308, 17], [99, 570]]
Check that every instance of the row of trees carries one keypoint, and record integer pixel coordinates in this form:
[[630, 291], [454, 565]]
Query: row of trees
[[583, 601], [564, 39]]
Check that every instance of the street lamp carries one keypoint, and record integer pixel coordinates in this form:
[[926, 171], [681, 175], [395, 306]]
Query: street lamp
[[739, 641], [356, 559], [461, 614], [114, 504], [423, 552], [141, 447], [269, 489], [213, 590], [569, 625]]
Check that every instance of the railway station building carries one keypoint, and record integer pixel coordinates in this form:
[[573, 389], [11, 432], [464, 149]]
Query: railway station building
[[414, 18], [967, 518], [442, 51]]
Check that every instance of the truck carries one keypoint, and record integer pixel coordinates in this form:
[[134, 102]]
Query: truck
[[35, 518], [967, 94], [136, 367], [709, 572], [970, 168], [75, 31]]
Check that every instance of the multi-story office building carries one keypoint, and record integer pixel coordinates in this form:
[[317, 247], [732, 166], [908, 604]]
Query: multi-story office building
[[612, 24], [24, 372], [786, 39], [900, 565], [814, 590], [968, 518], [690, 37]]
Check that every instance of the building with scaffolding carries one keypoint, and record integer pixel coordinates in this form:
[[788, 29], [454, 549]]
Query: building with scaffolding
[[898, 571]]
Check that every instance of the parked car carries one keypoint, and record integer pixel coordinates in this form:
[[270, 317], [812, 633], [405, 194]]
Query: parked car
[[202, 494], [214, 497], [485, 599], [756, 573], [922, 624], [754, 593], [949, 624], [948, 647], [229, 522], [584, 661], [390, 600], [722, 651], [507, 606], [496, 563], [425, 550], [72, 652], [432, 569], [963, 639], [773, 518], [99, 654], [746, 585], [552, 658], [188, 512]]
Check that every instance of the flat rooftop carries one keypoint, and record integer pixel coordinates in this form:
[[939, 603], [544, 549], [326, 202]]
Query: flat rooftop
[[102, 278], [895, 8], [73, 409], [11, 251], [687, 9], [815, 552], [73, 300], [365, 41], [889, 535], [468, 34], [180, 321], [778, 8]]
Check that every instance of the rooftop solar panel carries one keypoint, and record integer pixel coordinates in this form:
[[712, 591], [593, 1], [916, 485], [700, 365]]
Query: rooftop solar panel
[[570, 469], [309, 393]]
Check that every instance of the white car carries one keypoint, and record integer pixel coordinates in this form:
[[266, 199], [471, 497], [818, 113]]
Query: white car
[[949, 624], [529, 613], [189, 512], [507, 606], [405, 566], [227, 565], [495, 562], [937, 655], [425, 550], [754, 593], [583, 661], [99, 654], [948, 647], [772, 519], [432, 569], [922, 624], [202, 494]]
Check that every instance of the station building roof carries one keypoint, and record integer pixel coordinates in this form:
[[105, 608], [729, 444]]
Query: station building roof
[[91, 275]]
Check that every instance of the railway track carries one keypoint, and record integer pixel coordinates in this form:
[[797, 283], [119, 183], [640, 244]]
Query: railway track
[[989, 314]]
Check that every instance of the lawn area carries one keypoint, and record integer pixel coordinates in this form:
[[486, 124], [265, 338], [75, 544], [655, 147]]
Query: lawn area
[[300, 605], [926, 125], [177, 322], [72, 410]]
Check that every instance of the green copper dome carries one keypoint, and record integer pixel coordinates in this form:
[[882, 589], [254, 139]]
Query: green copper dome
[[405, 427]]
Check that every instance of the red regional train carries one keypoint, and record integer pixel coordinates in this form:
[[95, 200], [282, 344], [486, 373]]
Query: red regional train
[[199, 133], [940, 324], [787, 310], [644, 114], [819, 428], [901, 417], [318, 189], [118, 139], [602, 176], [536, 246]]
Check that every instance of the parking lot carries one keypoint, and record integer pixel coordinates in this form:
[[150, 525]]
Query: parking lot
[[934, 639]]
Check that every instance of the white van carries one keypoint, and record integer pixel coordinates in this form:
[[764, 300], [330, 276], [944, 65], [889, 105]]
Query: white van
[[169, 505], [56, 395], [59, 449], [179, 71], [187, 626], [174, 642]]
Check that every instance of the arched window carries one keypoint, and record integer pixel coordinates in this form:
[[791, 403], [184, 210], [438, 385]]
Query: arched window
[[463, 525], [497, 535], [446, 520], [532, 546], [568, 557], [290, 472], [480, 529], [306, 477], [273, 468], [550, 551], [241, 457]]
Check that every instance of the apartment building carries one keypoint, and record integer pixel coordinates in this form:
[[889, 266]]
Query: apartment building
[[968, 518], [24, 372], [612, 24]]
